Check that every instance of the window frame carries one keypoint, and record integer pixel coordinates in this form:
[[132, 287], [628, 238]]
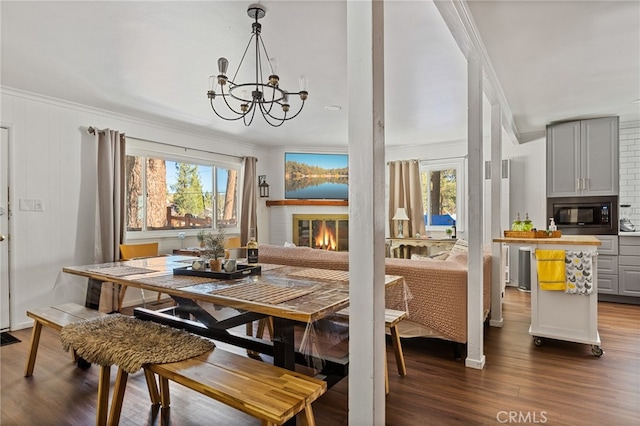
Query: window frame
[[459, 164], [149, 149]]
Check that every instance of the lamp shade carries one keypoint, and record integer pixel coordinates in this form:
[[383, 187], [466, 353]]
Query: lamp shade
[[401, 214]]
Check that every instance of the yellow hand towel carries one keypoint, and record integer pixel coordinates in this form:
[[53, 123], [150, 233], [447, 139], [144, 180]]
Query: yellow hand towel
[[551, 269]]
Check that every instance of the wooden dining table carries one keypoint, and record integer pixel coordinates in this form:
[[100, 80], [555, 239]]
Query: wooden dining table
[[290, 295]]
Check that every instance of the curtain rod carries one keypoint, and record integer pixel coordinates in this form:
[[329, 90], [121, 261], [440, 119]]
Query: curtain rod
[[92, 130], [185, 148], [394, 161]]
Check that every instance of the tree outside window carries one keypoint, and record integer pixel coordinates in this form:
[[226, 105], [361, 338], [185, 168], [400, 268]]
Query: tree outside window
[[179, 195], [441, 188]]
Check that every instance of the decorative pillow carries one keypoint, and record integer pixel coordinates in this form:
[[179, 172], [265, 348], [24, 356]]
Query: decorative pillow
[[420, 257], [461, 246], [443, 255], [288, 244], [436, 256], [460, 257]]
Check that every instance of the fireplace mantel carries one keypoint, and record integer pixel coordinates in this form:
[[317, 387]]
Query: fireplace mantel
[[274, 203]]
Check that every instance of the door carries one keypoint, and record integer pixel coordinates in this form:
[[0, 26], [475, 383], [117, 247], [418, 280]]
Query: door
[[4, 230]]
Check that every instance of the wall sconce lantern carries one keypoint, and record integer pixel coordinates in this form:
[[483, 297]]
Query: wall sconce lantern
[[264, 186]]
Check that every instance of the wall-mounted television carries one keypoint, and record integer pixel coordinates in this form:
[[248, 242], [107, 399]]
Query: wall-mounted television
[[316, 176]]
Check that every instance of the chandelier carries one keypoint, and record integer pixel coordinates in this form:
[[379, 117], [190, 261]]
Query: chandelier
[[244, 99]]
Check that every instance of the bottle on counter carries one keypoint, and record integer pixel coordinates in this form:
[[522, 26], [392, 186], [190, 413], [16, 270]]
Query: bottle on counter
[[527, 225], [517, 224], [252, 248], [552, 225]]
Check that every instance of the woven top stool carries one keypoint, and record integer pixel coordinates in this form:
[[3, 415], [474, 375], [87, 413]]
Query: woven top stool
[[128, 343]]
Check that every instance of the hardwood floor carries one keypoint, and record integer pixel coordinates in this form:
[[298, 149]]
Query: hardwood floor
[[559, 383]]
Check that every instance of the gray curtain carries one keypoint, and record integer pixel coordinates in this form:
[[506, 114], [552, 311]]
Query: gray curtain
[[248, 215], [110, 215], [405, 190]]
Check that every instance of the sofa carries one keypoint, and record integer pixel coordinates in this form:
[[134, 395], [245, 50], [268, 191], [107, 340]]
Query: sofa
[[437, 305]]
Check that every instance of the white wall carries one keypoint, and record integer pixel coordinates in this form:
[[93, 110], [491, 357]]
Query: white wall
[[528, 193], [280, 218], [630, 169], [52, 159]]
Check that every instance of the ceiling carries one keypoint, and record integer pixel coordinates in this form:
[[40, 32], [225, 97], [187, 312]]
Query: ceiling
[[554, 61]]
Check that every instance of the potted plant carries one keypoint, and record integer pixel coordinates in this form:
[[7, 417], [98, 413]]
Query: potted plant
[[449, 232], [214, 249]]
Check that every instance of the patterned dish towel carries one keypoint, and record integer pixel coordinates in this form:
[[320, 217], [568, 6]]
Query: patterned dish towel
[[579, 266]]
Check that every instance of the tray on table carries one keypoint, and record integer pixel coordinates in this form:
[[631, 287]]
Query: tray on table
[[242, 271], [532, 234]]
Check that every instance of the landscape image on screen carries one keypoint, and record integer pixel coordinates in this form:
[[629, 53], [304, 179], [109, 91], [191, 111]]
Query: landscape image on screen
[[316, 176]]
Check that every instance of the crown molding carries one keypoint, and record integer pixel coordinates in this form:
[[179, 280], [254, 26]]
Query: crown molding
[[161, 124]]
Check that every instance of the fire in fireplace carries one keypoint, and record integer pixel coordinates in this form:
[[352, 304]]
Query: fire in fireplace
[[325, 238], [321, 231]]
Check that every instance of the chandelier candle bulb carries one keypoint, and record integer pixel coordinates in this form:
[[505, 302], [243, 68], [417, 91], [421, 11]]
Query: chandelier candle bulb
[[223, 64]]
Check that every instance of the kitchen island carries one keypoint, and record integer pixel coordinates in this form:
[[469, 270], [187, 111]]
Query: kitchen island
[[558, 314]]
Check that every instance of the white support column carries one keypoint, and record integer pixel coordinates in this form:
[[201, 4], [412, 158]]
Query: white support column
[[365, 63], [475, 352], [497, 273]]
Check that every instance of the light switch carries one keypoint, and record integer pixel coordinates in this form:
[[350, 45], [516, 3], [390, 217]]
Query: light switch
[[26, 204], [38, 205]]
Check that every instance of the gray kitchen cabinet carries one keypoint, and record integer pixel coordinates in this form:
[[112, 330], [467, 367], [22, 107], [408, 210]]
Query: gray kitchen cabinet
[[607, 274], [583, 158], [608, 265], [629, 266]]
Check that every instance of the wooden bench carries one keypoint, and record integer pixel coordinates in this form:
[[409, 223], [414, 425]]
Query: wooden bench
[[269, 393], [54, 317], [391, 320]]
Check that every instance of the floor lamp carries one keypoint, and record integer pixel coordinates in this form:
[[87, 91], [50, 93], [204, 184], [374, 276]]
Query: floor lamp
[[400, 216]]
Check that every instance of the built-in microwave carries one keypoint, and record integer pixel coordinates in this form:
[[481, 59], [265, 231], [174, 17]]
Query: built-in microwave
[[584, 215]]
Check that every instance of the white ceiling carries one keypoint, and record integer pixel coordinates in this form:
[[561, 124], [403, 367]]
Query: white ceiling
[[554, 60]]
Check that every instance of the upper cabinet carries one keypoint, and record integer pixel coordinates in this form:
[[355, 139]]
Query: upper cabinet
[[582, 158]]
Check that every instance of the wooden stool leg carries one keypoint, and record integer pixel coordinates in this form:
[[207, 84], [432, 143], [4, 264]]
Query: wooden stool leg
[[103, 395], [118, 397], [121, 293], [33, 348], [270, 326], [386, 375], [152, 386], [268, 322], [249, 331], [397, 349], [305, 418], [164, 392], [261, 325]]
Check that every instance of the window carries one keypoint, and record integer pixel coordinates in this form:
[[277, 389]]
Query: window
[[443, 192], [169, 188]]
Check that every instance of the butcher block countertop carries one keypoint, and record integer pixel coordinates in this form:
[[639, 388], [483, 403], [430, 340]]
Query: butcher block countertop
[[576, 240]]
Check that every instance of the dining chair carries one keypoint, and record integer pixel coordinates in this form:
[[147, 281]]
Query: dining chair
[[136, 251]]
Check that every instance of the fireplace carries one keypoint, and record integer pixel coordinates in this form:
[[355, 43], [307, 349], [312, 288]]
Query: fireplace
[[321, 231]]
